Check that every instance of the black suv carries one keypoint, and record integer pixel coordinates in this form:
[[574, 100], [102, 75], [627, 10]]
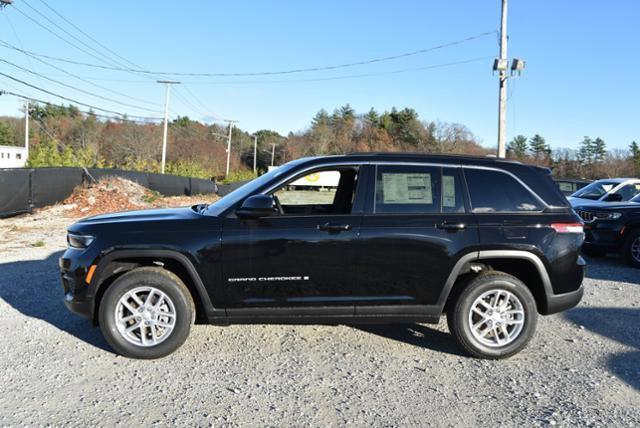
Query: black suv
[[612, 227], [394, 238]]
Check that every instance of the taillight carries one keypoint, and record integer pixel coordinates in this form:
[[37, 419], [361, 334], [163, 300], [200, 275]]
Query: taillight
[[567, 227]]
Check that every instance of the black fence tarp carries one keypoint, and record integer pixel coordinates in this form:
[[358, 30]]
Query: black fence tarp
[[23, 189], [52, 185], [15, 189]]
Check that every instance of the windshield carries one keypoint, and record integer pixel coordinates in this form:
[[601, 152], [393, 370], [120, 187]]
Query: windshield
[[247, 189], [595, 190]]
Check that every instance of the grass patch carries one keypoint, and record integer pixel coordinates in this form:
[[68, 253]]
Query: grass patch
[[38, 243], [151, 197]]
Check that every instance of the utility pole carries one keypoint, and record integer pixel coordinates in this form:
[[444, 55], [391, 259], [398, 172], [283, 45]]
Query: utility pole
[[166, 120], [230, 122], [255, 152], [26, 130], [273, 153], [502, 77]]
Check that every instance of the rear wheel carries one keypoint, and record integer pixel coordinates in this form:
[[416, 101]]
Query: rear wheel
[[632, 248], [494, 316], [146, 313]]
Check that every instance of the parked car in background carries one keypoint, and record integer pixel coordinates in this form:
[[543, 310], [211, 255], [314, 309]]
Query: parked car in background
[[400, 238], [607, 190], [612, 227], [568, 186]]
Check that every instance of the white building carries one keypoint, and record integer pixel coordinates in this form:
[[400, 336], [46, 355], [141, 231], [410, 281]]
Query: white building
[[13, 157]]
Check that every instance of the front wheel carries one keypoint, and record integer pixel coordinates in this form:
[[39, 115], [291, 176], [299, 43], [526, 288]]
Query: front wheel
[[494, 316], [632, 248], [146, 313]]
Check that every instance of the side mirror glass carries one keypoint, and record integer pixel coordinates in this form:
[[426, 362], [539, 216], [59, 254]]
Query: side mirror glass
[[256, 206], [614, 197]]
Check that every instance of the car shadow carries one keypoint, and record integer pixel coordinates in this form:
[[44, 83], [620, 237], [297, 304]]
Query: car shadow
[[621, 325], [611, 268], [414, 334], [33, 288]]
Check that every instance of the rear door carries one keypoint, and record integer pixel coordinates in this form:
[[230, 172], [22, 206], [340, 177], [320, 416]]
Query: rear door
[[415, 229]]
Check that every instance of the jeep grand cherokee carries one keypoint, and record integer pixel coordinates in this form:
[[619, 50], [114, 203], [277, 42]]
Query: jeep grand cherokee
[[399, 238]]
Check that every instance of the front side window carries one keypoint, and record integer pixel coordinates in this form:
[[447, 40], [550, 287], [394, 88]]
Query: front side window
[[405, 189], [628, 191], [330, 191], [495, 191]]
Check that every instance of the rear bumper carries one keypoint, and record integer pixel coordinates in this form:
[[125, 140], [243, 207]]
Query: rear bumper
[[558, 302], [561, 302]]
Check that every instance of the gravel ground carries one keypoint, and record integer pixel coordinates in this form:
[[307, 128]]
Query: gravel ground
[[582, 368]]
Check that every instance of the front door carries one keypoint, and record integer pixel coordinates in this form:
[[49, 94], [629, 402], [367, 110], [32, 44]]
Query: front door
[[304, 254], [415, 229]]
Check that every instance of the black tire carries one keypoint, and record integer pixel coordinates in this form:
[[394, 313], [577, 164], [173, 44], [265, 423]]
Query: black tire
[[632, 237], [458, 315], [162, 280]]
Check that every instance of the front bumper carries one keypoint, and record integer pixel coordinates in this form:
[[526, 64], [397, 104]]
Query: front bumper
[[604, 236], [78, 294]]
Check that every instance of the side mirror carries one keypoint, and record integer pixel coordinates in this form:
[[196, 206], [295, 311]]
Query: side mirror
[[256, 206], [614, 197]]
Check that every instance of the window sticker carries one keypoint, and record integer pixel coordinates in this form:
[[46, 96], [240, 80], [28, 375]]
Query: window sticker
[[414, 188], [448, 191]]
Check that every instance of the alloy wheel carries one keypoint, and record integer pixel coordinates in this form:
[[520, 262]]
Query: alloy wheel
[[496, 318], [145, 316], [635, 249]]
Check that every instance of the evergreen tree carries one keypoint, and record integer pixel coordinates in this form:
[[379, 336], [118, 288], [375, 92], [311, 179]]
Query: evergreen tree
[[635, 156], [599, 149], [539, 147], [320, 119], [518, 146], [585, 154]]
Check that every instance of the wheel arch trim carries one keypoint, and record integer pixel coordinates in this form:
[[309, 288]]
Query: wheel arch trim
[[118, 255], [494, 254]]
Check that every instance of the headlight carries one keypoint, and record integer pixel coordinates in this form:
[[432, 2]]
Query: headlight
[[79, 241], [608, 215]]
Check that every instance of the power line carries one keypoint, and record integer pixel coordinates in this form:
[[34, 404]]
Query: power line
[[86, 35], [349, 76], [267, 73], [77, 89], [121, 117], [59, 36], [15, 33], [85, 80], [109, 60], [63, 97]]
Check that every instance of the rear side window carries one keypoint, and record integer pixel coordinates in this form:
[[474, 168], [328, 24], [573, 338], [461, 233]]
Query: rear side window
[[495, 191], [405, 189]]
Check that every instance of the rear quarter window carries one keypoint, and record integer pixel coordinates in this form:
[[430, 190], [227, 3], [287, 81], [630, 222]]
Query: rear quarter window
[[495, 191]]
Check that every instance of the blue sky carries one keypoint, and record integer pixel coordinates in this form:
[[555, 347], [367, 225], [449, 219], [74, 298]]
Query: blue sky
[[581, 79]]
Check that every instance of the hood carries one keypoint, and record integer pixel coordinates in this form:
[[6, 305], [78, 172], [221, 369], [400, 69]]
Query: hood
[[574, 201], [585, 204], [163, 214]]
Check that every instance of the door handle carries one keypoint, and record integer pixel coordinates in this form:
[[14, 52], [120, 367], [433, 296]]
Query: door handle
[[328, 227], [451, 226]]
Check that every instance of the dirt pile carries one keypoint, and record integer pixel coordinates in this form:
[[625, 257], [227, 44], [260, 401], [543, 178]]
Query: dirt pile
[[118, 194]]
